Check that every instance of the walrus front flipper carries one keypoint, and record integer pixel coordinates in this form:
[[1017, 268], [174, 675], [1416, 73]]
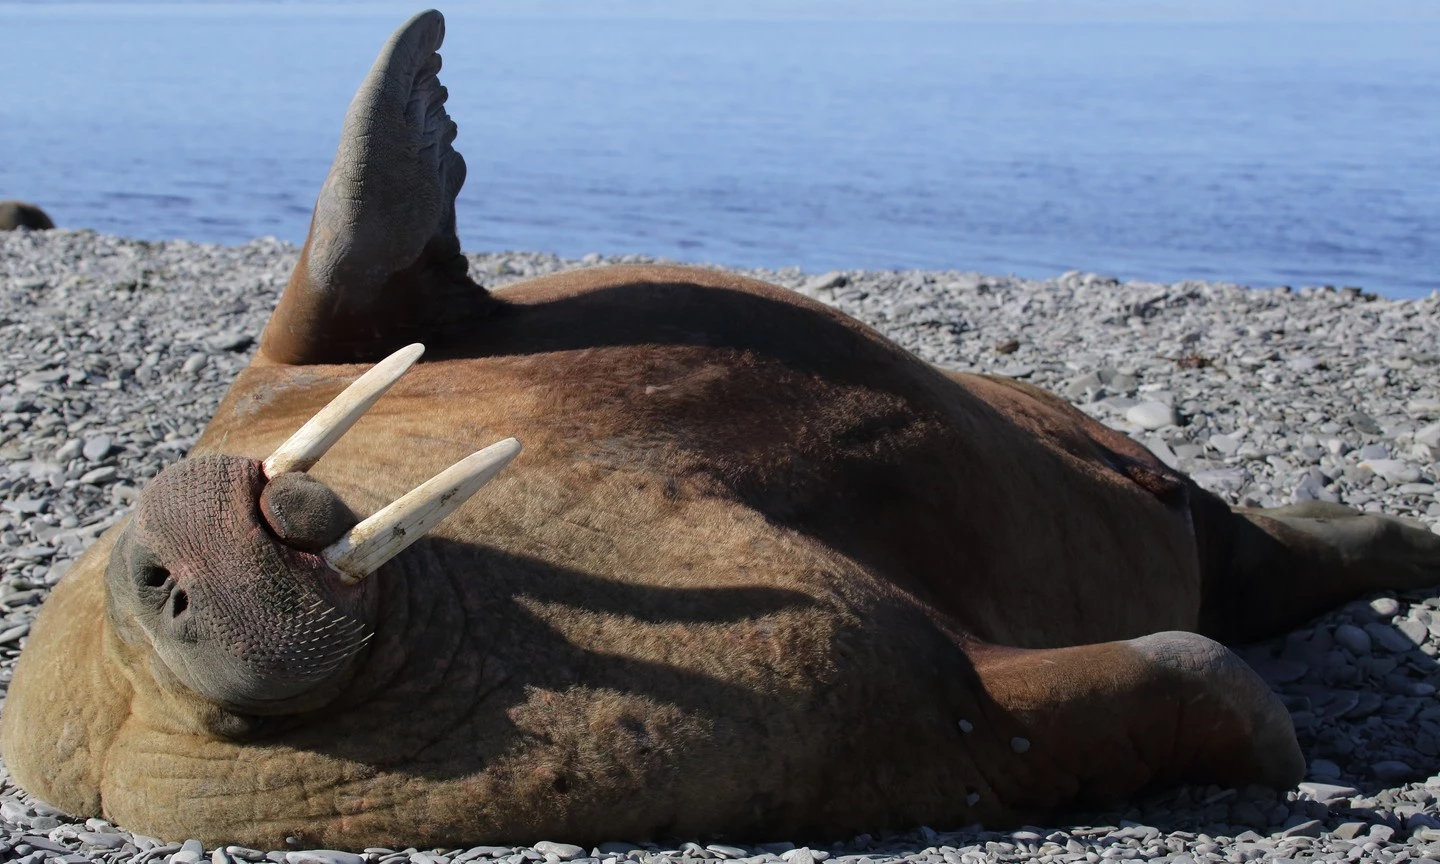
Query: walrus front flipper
[[1098, 723], [382, 266]]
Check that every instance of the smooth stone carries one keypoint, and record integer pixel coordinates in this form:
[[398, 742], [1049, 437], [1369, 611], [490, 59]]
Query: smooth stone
[[1324, 767], [1393, 470], [727, 851], [1152, 415], [610, 847], [97, 476], [828, 282], [322, 856], [1392, 771], [1428, 435], [43, 842], [1280, 671], [1020, 745], [1309, 828], [1373, 451], [1225, 444], [102, 840], [1385, 607], [97, 447], [565, 851], [1388, 638], [69, 450], [1350, 830], [1353, 639], [1415, 631], [1327, 792]]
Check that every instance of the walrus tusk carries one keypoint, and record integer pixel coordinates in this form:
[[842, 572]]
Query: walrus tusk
[[303, 449], [386, 534]]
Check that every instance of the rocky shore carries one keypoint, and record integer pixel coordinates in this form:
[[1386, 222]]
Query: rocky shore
[[114, 353]]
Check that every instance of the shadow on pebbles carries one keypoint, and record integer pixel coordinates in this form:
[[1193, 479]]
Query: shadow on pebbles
[[115, 353]]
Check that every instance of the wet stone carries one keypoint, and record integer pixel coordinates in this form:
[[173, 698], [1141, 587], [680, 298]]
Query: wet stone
[[563, 851]]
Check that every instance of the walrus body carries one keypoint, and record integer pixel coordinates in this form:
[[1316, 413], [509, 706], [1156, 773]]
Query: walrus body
[[758, 572], [19, 214]]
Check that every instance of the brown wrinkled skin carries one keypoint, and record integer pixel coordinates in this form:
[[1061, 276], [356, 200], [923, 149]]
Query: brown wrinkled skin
[[752, 569]]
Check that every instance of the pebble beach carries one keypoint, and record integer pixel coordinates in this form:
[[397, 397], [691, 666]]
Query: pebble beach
[[115, 352]]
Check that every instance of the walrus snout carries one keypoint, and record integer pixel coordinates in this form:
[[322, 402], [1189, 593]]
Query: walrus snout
[[238, 612], [247, 578], [304, 513]]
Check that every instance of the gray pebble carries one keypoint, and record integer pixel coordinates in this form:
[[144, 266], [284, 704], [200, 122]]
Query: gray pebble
[[1152, 415], [1392, 771], [1385, 607], [97, 476], [322, 856], [97, 447], [564, 851], [1354, 639]]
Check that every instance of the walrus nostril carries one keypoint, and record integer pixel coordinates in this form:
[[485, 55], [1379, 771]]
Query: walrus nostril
[[153, 576], [179, 602]]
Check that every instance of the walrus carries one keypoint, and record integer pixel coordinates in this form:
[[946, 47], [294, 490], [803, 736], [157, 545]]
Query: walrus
[[740, 567], [19, 214]]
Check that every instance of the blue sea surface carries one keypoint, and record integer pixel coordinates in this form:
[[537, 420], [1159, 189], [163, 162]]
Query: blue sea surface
[[1262, 153]]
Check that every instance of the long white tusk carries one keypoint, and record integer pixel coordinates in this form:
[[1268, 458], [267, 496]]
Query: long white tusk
[[394, 527], [309, 443]]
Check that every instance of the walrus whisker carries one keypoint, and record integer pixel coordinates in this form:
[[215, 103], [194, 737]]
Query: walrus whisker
[[387, 533], [303, 449]]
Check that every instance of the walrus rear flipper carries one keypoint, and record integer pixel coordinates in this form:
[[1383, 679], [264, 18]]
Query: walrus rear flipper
[[1098, 723], [1273, 569], [382, 266]]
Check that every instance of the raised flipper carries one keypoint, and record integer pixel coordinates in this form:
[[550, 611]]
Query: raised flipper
[[1097, 723], [1269, 570], [382, 266]]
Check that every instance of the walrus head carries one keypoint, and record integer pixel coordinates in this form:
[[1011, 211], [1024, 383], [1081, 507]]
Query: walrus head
[[247, 579]]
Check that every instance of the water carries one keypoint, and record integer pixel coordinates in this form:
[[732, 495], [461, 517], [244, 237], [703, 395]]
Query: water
[[1260, 153]]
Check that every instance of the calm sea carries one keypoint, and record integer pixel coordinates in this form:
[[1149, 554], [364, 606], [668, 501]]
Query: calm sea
[[1261, 153]]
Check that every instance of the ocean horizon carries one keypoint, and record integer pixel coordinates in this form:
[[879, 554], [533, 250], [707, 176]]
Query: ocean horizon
[[1259, 152]]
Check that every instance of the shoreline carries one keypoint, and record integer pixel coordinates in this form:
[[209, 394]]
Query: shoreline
[[117, 351]]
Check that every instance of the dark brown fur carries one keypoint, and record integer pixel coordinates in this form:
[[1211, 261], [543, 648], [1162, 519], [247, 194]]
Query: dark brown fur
[[19, 214]]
